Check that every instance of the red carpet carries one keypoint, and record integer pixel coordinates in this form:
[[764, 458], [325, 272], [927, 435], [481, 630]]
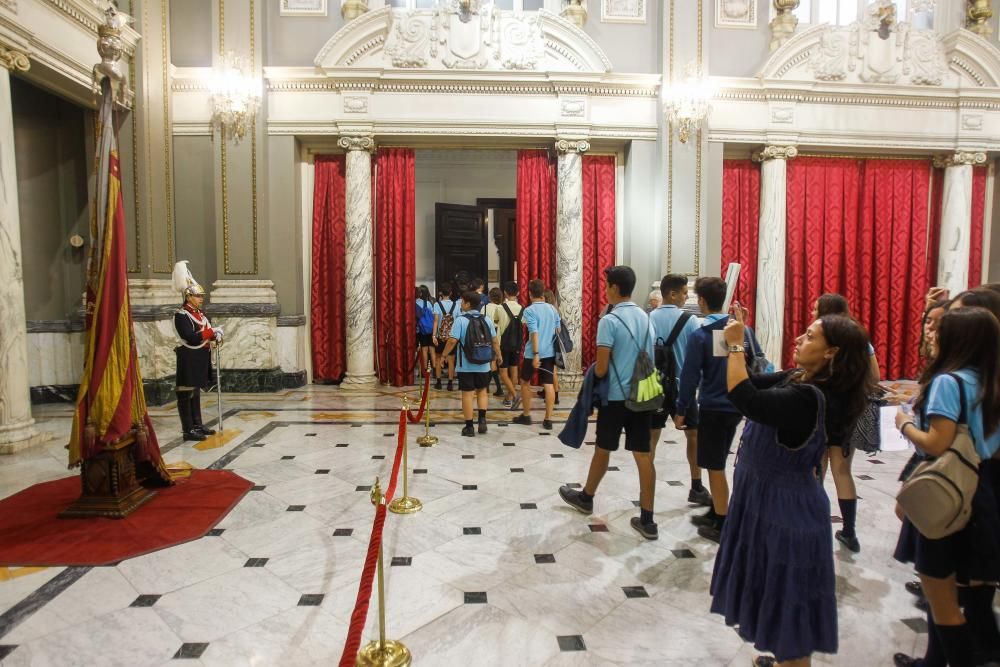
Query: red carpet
[[32, 534]]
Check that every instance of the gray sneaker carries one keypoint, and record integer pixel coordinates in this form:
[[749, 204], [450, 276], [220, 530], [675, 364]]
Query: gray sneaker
[[576, 500], [647, 530]]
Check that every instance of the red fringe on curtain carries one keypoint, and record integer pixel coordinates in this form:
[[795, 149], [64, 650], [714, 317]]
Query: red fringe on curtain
[[327, 310], [978, 222], [598, 244], [740, 222], [536, 220], [395, 264]]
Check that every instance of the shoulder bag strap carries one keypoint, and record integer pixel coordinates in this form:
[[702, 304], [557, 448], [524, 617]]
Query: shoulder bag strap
[[676, 331]]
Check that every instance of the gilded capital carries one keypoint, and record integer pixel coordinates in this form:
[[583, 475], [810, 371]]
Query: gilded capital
[[357, 143], [775, 152], [13, 59], [959, 158], [572, 146], [977, 15], [352, 9]]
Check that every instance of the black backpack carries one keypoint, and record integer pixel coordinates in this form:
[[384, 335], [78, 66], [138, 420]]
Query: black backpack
[[477, 345], [666, 363], [512, 340]]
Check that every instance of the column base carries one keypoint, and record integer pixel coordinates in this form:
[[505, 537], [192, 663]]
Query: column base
[[19, 437], [358, 380], [570, 380]]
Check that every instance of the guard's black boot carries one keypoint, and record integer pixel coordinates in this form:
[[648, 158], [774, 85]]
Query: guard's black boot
[[196, 415], [184, 410]]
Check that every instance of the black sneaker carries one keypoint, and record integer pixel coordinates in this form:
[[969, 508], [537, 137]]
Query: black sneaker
[[204, 430], [482, 427], [451, 387], [515, 402], [194, 435], [647, 530], [547, 424], [914, 588], [524, 420], [437, 383], [576, 500], [707, 519], [764, 661], [557, 398], [851, 542], [700, 497], [921, 604], [903, 660], [710, 533], [499, 392], [468, 431]]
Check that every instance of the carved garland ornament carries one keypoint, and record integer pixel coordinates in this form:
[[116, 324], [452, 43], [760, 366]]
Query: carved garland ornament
[[357, 143], [775, 153], [572, 146], [960, 158]]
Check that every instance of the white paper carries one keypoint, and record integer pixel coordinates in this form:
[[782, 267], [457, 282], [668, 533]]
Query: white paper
[[892, 439], [720, 348], [732, 277]]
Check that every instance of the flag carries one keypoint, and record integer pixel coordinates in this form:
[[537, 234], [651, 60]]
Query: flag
[[110, 401]]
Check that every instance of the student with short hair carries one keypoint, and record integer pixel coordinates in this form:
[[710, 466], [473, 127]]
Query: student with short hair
[[704, 371], [511, 343], [473, 376], [479, 286], [425, 328], [542, 321], [620, 336], [445, 312], [492, 310], [665, 320]]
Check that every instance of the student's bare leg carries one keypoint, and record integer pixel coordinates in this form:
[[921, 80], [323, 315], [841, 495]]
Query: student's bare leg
[[718, 486], [483, 398], [510, 387], [468, 400], [647, 479], [451, 367], [598, 466], [691, 435], [654, 437], [550, 400], [526, 398]]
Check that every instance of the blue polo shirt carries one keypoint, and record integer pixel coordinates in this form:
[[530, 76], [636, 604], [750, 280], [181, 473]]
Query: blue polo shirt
[[458, 331], [943, 400], [442, 307], [705, 363], [541, 318], [624, 330], [663, 320]]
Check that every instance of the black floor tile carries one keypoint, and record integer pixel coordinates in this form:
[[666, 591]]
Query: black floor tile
[[190, 651], [918, 625], [509, 444], [287, 457], [475, 598], [591, 443], [311, 600], [674, 482], [876, 462], [470, 487], [402, 561], [145, 601], [356, 425], [635, 503], [215, 532], [258, 487], [256, 562], [258, 444], [574, 485], [635, 592], [342, 444], [571, 643], [310, 435], [682, 553], [6, 649], [472, 530], [378, 457], [388, 435], [420, 471], [363, 488], [556, 456], [466, 457], [343, 532], [544, 559], [323, 471], [598, 528], [614, 469], [295, 508], [529, 506], [867, 478], [517, 469]]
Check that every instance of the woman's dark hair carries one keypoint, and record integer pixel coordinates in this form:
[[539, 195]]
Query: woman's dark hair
[[925, 346], [444, 290], [848, 376], [496, 296], [832, 304], [967, 338], [423, 292], [980, 298]]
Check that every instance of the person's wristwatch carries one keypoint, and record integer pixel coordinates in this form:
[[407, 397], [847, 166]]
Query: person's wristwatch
[[735, 348]]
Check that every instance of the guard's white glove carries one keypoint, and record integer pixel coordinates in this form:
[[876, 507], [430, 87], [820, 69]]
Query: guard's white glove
[[217, 333]]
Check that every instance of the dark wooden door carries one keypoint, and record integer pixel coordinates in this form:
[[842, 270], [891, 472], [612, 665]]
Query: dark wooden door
[[459, 241], [505, 239]]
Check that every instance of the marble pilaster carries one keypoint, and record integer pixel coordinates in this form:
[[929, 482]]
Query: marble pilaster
[[359, 269], [770, 315], [17, 429], [569, 246], [956, 219]]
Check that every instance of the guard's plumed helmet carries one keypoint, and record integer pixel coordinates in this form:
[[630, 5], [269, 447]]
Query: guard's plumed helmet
[[184, 282]]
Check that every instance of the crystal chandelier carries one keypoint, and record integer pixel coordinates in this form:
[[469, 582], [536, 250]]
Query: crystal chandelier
[[687, 104], [235, 96]]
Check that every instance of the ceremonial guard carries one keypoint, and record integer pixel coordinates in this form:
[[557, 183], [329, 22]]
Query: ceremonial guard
[[194, 354]]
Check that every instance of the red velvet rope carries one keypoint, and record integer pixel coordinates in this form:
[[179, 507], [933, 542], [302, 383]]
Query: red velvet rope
[[415, 419], [353, 641]]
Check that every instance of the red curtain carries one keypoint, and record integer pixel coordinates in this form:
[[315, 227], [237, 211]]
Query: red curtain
[[859, 227], [978, 221], [327, 310], [598, 244], [395, 264], [536, 219], [740, 221]]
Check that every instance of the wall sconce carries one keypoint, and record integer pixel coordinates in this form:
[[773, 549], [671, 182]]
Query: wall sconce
[[235, 97], [688, 103]]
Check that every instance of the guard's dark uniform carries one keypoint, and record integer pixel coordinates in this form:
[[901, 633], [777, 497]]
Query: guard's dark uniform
[[194, 354]]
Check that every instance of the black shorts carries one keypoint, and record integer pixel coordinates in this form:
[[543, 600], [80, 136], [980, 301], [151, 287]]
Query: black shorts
[[440, 347], [716, 430], [511, 358], [425, 340], [473, 381], [614, 418], [545, 373], [660, 417]]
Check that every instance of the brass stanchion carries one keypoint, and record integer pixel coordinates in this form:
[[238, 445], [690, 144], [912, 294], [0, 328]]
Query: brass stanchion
[[427, 440], [382, 653], [405, 504]]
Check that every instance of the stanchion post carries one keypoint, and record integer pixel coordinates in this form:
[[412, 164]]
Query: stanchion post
[[382, 653], [427, 440], [405, 504]]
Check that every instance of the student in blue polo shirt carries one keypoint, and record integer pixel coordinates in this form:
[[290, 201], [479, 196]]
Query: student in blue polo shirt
[[473, 378], [620, 334], [542, 322], [674, 294], [445, 310]]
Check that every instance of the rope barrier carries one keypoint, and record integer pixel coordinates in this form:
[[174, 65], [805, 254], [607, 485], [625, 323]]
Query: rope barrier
[[415, 419]]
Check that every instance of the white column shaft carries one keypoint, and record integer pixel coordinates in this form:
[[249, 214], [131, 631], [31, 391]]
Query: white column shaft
[[359, 270], [569, 253], [770, 315], [956, 229]]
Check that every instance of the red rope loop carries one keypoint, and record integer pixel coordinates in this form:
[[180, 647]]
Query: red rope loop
[[415, 419]]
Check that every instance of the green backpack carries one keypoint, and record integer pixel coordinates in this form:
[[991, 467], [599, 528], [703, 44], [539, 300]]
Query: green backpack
[[645, 392]]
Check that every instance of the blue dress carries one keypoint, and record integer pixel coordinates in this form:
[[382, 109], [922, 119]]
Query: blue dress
[[774, 575]]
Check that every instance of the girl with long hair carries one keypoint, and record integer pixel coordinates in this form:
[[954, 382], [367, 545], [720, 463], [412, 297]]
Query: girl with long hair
[[425, 329]]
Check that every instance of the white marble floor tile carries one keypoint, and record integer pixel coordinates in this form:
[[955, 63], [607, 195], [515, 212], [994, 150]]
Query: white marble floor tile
[[309, 489], [260, 540], [20, 582], [255, 508], [317, 562], [475, 562], [185, 564]]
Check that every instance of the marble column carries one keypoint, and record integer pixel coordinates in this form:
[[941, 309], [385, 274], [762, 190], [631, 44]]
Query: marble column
[[569, 248], [17, 430], [956, 219], [770, 315], [360, 272]]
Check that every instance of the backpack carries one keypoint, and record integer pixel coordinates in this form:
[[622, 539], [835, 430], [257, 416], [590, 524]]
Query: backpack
[[937, 497], [666, 363], [645, 392], [757, 362], [425, 319], [444, 329], [478, 343], [512, 340]]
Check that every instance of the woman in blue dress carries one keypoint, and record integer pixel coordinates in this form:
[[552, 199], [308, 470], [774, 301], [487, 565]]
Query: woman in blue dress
[[774, 575]]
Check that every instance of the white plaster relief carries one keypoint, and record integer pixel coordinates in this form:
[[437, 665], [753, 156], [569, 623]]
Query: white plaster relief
[[355, 104], [972, 122], [573, 107], [783, 115]]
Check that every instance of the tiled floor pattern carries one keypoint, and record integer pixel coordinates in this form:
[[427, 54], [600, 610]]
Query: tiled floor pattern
[[495, 570]]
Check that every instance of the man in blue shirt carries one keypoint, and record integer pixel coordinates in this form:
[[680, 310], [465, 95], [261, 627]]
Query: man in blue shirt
[[473, 378], [674, 291], [705, 361], [620, 334], [542, 322]]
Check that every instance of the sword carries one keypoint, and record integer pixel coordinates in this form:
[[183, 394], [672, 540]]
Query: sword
[[218, 381]]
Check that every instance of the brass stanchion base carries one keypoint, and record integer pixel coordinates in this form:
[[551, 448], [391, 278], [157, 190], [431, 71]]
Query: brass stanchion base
[[427, 440], [405, 505], [393, 654]]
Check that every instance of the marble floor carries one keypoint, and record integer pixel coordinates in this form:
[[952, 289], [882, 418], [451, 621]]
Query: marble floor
[[495, 570]]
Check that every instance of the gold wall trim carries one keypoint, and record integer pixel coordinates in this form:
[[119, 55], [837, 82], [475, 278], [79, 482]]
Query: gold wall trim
[[698, 152], [670, 144], [135, 166], [167, 134]]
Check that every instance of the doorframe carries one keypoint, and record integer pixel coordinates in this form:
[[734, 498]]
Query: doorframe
[[502, 203]]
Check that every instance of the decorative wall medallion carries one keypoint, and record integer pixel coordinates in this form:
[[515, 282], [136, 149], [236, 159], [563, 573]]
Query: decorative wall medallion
[[573, 107], [735, 14], [972, 121], [302, 8], [409, 40], [355, 104], [782, 114], [521, 45], [623, 11]]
